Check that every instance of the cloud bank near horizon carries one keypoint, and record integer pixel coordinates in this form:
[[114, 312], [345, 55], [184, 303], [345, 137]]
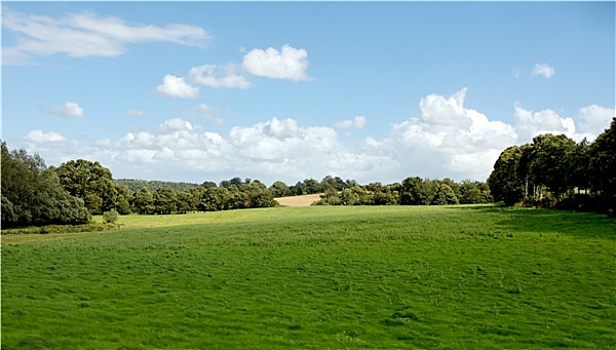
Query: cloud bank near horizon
[[445, 139]]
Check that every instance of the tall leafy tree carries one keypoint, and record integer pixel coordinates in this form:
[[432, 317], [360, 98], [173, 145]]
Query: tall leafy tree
[[32, 194], [257, 195], [91, 182], [280, 189], [603, 167], [414, 192], [143, 201], [444, 195], [125, 195], [504, 184], [551, 164], [214, 199], [470, 193], [165, 200]]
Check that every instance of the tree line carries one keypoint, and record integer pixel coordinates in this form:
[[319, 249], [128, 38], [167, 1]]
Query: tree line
[[412, 191], [556, 172], [153, 185], [34, 194]]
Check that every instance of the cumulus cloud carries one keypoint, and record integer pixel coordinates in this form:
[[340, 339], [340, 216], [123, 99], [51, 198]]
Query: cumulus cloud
[[530, 124], [217, 77], [274, 149], [595, 119], [288, 63], [38, 136], [356, 123], [87, 34], [445, 139], [69, 110], [173, 86], [544, 70]]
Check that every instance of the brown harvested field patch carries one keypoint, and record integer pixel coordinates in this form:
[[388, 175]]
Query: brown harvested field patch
[[298, 201]]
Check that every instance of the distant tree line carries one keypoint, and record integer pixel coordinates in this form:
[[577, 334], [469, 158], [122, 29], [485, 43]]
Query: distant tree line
[[153, 185], [412, 191], [556, 172], [33, 194]]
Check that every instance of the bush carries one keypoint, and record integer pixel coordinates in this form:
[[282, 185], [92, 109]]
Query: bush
[[110, 217]]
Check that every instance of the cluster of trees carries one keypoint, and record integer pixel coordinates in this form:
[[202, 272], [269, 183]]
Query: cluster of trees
[[311, 186], [556, 172], [32, 193], [207, 197], [95, 185], [153, 185], [412, 191]]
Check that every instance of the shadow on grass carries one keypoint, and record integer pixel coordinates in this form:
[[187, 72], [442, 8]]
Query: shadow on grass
[[532, 220]]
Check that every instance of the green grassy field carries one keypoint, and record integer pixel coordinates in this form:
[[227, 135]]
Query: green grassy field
[[318, 278]]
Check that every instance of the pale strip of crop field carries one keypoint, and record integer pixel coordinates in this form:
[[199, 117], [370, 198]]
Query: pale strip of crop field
[[299, 201]]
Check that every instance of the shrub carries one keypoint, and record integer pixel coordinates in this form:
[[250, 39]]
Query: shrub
[[110, 217]]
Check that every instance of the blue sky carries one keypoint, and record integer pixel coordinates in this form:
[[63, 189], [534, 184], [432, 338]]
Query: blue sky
[[200, 91]]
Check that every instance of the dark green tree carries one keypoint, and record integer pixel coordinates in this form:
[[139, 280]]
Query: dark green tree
[[312, 186], [257, 195], [505, 185], [32, 194], [91, 182], [551, 164], [603, 168], [165, 200], [215, 198], [280, 189], [414, 192], [470, 193], [143, 201], [125, 195], [184, 202], [444, 195]]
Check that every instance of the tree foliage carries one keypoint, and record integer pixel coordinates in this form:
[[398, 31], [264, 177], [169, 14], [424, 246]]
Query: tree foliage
[[412, 191], [555, 171], [152, 185], [91, 182], [32, 194], [505, 185]]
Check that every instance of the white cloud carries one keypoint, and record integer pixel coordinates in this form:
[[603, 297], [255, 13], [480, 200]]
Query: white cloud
[[590, 122], [544, 70], [288, 63], [207, 112], [38, 136], [595, 119], [356, 123], [69, 110], [86, 34], [530, 124], [445, 139], [210, 75], [173, 86], [281, 129]]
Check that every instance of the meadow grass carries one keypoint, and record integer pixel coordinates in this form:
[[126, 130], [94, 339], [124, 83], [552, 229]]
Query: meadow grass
[[479, 277]]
